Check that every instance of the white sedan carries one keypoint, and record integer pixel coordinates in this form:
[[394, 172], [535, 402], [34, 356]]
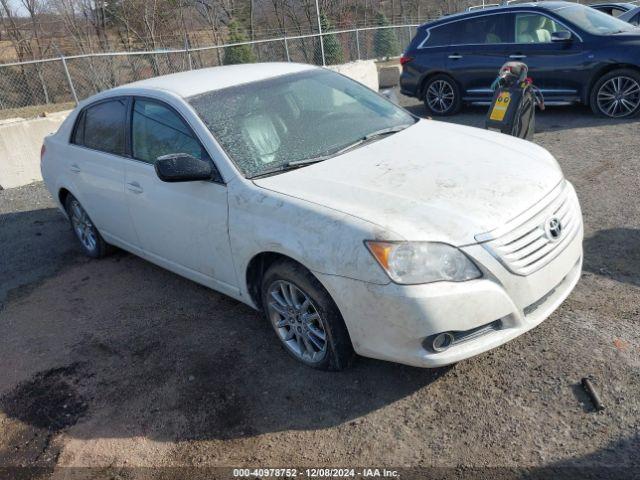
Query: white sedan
[[352, 224]]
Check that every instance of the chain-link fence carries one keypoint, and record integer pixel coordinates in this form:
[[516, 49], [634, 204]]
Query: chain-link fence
[[72, 78]]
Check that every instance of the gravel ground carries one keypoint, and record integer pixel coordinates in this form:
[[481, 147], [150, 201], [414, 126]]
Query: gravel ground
[[117, 364]]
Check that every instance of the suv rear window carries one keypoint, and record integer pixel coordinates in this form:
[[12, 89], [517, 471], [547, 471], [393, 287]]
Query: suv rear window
[[101, 127]]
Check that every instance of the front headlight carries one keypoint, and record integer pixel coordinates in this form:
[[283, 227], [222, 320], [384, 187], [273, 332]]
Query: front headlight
[[423, 262]]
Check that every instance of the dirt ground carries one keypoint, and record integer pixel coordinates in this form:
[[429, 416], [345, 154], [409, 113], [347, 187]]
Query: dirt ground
[[117, 364], [35, 111]]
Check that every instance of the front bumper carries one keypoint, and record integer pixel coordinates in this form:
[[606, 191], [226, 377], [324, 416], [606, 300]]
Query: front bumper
[[390, 322]]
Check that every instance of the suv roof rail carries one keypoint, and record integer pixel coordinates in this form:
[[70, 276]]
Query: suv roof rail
[[484, 5]]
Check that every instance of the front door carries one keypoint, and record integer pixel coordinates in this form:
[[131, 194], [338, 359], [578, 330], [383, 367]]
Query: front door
[[555, 67], [182, 226]]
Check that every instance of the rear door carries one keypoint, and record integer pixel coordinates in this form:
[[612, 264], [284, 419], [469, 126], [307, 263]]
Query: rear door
[[556, 67], [478, 50], [97, 164], [182, 226]]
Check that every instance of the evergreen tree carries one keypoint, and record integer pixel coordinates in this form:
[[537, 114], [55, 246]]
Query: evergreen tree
[[239, 53], [333, 53], [385, 43]]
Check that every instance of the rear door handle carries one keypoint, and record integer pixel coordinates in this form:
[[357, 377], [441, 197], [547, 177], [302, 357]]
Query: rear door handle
[[455, 56], [517, 56], [74, 168], [134, 187]]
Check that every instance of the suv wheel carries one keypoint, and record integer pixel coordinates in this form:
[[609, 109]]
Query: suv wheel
[[87, 234], [617, 94], [304, 317], [442, 96]]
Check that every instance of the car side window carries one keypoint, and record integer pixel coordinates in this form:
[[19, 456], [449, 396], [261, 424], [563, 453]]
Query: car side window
[[616, 12], [535, 28], [486, 29], [635, 20], [101, 127], [439, 36], [157, 130]]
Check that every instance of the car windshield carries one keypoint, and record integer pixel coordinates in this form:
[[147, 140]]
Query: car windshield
[[285, 122], [593, 21]]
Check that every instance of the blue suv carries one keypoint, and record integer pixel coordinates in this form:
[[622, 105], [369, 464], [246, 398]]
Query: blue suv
[[574, 53]]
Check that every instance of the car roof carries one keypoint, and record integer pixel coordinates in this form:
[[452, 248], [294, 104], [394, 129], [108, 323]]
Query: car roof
[[194, 82], [545, 5], [612, 4]]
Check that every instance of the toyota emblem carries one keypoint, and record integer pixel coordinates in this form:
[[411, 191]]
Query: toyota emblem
[[553, 229]]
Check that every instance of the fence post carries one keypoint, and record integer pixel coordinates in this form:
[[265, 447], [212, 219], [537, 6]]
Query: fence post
[[358, 43], [66, 72], [286, 48], [186, 47], [324, 62], [409, 36]]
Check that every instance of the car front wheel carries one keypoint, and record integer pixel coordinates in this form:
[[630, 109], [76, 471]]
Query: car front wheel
[[617, 94], [305, 318], [87, 234], [442, 96]]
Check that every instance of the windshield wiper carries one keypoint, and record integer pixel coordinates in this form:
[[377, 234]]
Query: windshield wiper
[[308, 161], [368, 137]]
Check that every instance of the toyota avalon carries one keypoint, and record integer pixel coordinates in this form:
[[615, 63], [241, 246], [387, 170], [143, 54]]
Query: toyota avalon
[[353, 225]]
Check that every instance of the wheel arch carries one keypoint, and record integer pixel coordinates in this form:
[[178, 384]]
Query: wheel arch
[[256, 269], [423, 81], [586, 95], [63, 194]]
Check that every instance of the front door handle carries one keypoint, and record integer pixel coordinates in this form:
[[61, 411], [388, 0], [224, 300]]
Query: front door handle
[[517, 56], [134, 187], [455, 56], [74, 168]]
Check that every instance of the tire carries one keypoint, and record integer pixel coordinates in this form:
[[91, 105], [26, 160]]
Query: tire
[[300, 329], [435, 96], [91, 242], [622, 80]]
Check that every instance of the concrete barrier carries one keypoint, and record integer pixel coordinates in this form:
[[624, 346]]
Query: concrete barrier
[[363, 71], [20, 139], [20, 142]]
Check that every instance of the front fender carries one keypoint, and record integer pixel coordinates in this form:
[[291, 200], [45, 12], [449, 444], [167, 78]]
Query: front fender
[[323, 240]]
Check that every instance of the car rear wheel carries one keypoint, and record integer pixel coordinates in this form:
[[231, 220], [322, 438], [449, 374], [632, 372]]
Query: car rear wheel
[[617, 94], [305, 318], [85, 231], [441, 96]]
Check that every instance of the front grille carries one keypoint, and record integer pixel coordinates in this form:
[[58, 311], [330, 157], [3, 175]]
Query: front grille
[[524, 246]]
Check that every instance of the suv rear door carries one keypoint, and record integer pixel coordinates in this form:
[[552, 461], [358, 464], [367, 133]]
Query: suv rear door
[[478, 50]]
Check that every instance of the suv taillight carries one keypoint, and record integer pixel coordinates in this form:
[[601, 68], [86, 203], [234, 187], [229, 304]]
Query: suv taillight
[[405, 59], [42, 150]]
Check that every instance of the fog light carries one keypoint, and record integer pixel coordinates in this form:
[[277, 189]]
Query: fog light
[[441, 342]]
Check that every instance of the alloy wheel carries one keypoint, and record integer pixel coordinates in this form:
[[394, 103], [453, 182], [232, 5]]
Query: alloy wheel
[[82, 226], [297, 321], [619, 97], [440, 96]]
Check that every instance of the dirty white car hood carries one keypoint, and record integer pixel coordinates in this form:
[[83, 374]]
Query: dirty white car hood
[[432, 181]]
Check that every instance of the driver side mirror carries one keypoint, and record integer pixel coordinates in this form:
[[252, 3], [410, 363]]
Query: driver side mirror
[[561, 36], [182, 167]]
